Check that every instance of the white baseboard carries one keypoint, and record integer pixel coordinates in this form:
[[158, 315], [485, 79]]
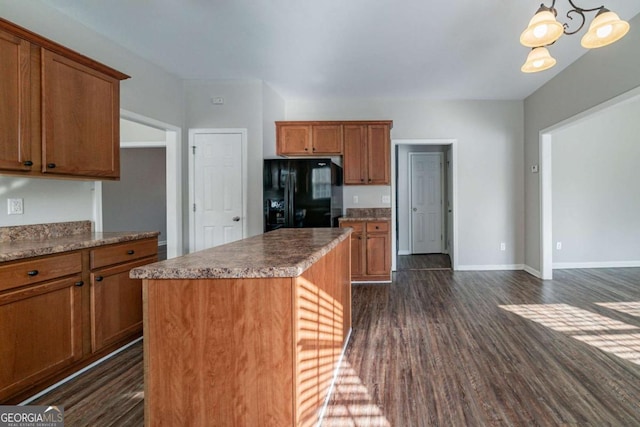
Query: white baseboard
[[606, 264], [490, 267], [533, 272], [404, 252]]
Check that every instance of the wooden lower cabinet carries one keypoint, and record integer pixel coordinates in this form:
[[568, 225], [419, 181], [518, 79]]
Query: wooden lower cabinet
[[52, 307], [370, 250], [40, 332], [245, 352], [111, 288]]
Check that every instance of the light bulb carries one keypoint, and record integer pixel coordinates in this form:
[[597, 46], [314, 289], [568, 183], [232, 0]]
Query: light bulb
[[604, 31], [538, 63], [540, 31]]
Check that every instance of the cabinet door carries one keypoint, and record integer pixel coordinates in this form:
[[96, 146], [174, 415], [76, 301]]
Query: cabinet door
[[357, 255], [15, 143], [116, 304], [327, 139], [294, 139], [40, 332], [378, 254], [378, 155], [80, 134], [355, 158]]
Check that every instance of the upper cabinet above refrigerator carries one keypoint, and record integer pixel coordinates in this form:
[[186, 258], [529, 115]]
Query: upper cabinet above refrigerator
[[365, 145]]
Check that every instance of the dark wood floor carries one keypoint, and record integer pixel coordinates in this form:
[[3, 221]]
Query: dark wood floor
[[443, 348], [424, 262]]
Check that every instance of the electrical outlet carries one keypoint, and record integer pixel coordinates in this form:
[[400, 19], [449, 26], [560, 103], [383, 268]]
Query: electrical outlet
[[217, 100], [559, 246], [355, 200], [15, 206], [503, 246], [386, 199]]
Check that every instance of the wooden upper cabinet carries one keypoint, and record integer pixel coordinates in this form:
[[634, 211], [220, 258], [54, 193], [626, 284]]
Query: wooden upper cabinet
[[378, 155], [367, 154], [294, 139], [309, 138], [81, 115], [59, 110], [326, 139], [15, 149], [355, 158]]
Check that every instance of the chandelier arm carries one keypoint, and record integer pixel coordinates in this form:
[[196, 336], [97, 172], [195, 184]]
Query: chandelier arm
[[580, 12], [581, 9]]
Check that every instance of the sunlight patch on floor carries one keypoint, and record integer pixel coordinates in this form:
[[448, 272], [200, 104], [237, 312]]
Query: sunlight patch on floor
[[566, 318], [569, 319], [632, 308], [352, 405]]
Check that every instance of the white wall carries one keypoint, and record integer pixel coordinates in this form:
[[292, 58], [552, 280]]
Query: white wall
[[273, 106], [596, 197], [490, 163], [46, 200], [151, 92], [242, 108], [599, 75]]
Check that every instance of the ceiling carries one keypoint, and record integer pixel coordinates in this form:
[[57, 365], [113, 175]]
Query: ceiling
[[459, 49]]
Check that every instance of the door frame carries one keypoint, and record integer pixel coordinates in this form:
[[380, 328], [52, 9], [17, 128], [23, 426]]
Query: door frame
[[173, 154], [221, 131], [442, 188], [454, 202]]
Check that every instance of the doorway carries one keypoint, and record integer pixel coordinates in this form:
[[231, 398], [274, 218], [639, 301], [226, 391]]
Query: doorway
[[400, 209], [173, 183], [546, 189], [217, 187]]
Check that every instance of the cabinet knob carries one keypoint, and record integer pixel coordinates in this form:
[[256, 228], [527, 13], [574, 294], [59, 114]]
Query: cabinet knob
[[377, 227], [306, 149], [99, 278], [361, 179], [32, 273], [131, 252], [79, 284], [28, 163], [314, 148], [51, 165]]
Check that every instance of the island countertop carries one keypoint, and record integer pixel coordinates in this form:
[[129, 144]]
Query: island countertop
[[286, 252]]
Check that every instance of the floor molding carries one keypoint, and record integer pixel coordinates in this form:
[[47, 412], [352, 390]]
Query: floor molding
[[606, 264], [80, 372], [490, 267]]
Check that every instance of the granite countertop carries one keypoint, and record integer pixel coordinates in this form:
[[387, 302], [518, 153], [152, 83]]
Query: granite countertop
[[286, 252], [22, 242], [366, 214]]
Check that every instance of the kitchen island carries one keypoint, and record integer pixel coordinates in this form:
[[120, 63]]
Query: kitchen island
[[249, 333]]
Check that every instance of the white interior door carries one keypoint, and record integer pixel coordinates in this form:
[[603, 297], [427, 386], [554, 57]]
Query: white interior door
[[426, 203], [217, 189]]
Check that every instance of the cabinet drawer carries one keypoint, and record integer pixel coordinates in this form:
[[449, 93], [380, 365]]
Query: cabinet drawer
[[380, 226], [123, 252], [33, 271], [358, 227]]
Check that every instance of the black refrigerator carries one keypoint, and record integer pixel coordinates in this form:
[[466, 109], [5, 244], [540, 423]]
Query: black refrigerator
[[301, 193]]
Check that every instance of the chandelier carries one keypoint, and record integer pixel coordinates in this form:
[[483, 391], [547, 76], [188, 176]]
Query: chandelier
[[544, 30]]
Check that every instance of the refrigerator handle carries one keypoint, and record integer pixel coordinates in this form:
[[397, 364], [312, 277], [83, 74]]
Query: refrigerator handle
[[292, 199]]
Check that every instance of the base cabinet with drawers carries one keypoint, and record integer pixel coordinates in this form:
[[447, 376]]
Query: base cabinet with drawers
[[370, 250], [61, 312]]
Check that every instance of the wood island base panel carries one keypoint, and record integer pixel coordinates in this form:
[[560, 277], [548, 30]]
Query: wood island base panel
[[249, 333]]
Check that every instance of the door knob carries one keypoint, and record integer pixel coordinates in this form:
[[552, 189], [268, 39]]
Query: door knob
[[236, 218], [415, 209]]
